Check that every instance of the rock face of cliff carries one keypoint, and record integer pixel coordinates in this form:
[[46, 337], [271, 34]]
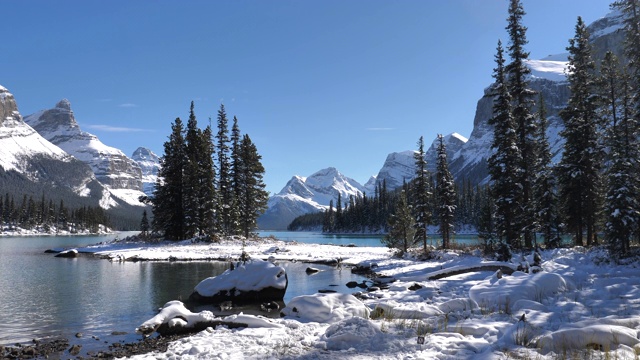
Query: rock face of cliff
[[110, 165]]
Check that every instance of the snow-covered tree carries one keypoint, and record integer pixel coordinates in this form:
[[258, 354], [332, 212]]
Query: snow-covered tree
[[622, 208], [517, 74], [421, 195], [580, 168], [546, 209], [445, 194], [401, 226], [504, 162], [225, 190]]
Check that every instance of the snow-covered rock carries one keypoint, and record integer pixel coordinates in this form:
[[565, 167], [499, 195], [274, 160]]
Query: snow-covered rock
[[251, 281], [325, 308], [303, 195]]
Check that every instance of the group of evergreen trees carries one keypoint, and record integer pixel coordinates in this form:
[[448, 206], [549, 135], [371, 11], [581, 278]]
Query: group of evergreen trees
[[208, 184], [597, 187], [44, 215]]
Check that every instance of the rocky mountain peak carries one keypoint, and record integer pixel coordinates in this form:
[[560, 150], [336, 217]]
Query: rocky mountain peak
[[149, 164], [8, 107], [64, 104]]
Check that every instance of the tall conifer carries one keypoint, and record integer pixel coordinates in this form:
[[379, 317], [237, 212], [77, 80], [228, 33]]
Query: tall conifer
[[445, 194]]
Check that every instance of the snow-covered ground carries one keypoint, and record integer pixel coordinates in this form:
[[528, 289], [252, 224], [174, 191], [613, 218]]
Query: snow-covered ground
[[578, 306]]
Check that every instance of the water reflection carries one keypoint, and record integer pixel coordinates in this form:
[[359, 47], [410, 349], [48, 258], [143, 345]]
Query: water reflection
[[47, 297]]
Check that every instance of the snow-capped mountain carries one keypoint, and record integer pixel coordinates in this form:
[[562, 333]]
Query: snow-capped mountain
[[399, 167], [27, 157], [302, 195], [110, 165], [149, 164], [548, 77]]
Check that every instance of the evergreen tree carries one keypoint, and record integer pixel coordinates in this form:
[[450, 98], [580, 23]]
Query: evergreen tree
[[168, 209], [579, 169], [207, 196], [446, 194], [421, 196], [192, 181], [622, 200], [544, 183], [225, 190], [236, 165], [504, 162], [328, 222], [144, 224], [253, 196], [401, 226], [517, 73]]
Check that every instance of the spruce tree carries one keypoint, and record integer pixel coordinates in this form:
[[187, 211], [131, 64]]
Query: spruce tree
[[504, 162], [253, 196], [235, 173], [168, 209], [517, 74], [545, 202], [445, 194], [421, 196], [402, 227], [622, 207], [144, 224], [191, 181], [225, 190], [207, 195], [580, 167]]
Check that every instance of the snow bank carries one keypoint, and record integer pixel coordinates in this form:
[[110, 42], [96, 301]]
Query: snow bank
[[412, 310], [605, 337], [253, 275], [499, 294], [325, 308], [355, 333]]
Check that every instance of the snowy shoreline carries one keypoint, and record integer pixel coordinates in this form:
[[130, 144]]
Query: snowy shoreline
[[579, 305]]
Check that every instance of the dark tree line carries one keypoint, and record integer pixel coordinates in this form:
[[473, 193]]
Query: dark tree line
[[44, 215], [594, 189], [208, 184]]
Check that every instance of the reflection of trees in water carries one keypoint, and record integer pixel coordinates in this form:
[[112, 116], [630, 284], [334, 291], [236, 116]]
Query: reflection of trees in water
[[175, 280]]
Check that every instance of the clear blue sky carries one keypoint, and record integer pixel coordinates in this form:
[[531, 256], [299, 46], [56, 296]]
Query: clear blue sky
[[314, 83]]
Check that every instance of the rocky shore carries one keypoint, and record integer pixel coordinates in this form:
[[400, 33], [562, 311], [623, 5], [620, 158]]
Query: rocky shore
[[63, 349]]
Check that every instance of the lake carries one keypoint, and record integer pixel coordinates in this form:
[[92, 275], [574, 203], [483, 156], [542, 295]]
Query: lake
[[45, 297]]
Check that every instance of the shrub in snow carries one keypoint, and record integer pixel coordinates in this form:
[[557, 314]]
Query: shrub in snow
[[254, 281], [325, 308], [499, 294]]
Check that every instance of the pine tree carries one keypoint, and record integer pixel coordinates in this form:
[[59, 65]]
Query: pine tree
[[253, 196], [168, 209], [207, 196], [402, 227], [579, 169], [544, 183], [329, 219], [225, 190], [421, 196], [445, 194], [517, 73], [504, 163]]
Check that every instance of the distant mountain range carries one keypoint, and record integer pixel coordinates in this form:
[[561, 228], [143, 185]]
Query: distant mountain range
[[47, 151], [467, 158]]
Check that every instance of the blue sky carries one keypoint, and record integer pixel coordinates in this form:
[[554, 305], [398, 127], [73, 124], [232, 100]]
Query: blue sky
[[314, 83]]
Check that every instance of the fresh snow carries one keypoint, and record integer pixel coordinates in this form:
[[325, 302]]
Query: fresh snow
[[548, 69], [252, 275], [577, 303]]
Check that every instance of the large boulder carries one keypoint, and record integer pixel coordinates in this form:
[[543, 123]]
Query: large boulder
[[254, 281]]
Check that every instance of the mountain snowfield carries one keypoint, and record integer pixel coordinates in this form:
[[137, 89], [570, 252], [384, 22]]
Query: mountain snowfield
[[149, 164], [111, 166]]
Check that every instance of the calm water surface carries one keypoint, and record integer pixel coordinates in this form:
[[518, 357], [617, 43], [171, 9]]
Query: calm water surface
[[42, 296]]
